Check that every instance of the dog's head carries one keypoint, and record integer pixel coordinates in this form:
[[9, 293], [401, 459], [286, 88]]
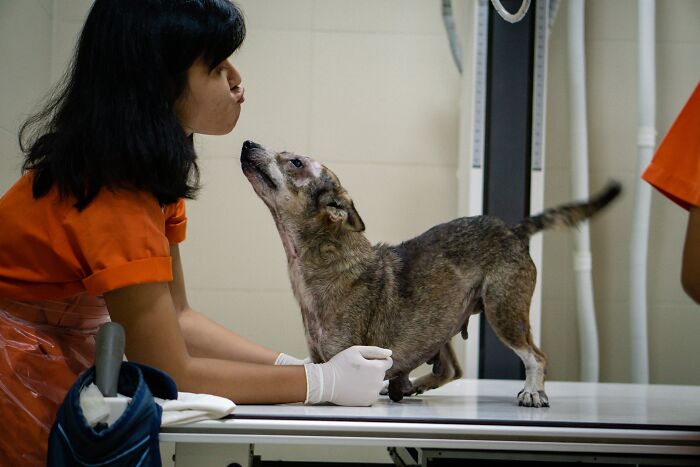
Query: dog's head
[[300, 192]]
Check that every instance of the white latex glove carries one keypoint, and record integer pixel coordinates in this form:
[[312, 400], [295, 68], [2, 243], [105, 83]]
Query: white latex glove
[[284, 359], [352, 377]]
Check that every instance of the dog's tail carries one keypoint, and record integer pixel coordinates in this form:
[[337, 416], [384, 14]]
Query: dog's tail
[[568, 215]]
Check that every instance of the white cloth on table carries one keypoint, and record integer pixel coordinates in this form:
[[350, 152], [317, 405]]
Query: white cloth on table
[[190, 407]]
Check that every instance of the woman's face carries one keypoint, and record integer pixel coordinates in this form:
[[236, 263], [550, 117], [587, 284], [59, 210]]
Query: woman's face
[[211, 101]]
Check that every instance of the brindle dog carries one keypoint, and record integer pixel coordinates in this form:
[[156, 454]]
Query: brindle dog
[[411, 298]]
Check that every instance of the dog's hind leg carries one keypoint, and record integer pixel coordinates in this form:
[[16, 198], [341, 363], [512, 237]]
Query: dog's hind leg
[[448, 369], [535, 361], [507, 310], [435, 361]]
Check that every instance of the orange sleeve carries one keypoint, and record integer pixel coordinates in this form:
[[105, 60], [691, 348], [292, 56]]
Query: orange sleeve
[[675, 168], [175, 221], [120, 240]]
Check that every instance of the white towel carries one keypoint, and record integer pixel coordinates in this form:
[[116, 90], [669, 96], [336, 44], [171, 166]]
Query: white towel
[[189, 408]]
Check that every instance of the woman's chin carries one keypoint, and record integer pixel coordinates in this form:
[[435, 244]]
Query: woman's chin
[[219, 130]]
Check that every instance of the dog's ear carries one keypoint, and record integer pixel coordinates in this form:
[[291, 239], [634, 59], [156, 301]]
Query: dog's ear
[[354, 220], [345, 218]]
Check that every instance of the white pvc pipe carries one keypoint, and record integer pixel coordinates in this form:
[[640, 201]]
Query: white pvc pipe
[[585, 310], [642, 200]]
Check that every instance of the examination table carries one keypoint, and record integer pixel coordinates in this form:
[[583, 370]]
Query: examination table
[[471, 419]]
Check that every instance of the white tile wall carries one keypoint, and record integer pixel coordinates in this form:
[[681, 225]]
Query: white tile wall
[[677, 63], [613, 337], [412, 17], [25, 38], [559, 352], [47, 5], [71, 10], [65, 40], [277, 14], [384, 97], [10, 159], [669, 344], [680, 22], [270, 317], [608, 21], [25, 53]]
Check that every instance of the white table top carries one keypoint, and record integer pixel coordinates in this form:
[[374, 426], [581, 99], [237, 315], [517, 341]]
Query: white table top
[[621, 418]]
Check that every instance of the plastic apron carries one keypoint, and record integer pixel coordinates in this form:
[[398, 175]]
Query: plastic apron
[[44, 347]]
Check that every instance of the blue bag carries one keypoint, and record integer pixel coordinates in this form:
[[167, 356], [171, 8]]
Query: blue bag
[[132, 440]]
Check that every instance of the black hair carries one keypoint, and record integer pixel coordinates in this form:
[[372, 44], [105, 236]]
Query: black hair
[[111, 123]]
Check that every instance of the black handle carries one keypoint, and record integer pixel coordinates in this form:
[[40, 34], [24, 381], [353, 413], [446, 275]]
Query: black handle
[[108, 358]]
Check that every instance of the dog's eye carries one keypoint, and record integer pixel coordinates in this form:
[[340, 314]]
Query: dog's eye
[[297, 163], [333, 204]]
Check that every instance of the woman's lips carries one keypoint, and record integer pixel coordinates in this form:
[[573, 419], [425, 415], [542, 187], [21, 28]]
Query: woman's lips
[[238, 93]]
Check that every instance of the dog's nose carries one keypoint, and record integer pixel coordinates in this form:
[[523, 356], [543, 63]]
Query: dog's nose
[[248, 145]]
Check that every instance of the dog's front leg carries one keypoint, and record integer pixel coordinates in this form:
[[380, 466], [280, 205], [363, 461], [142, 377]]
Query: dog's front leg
[[399, 386]]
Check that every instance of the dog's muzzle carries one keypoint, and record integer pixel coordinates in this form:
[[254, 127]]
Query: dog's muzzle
[[249, 146], [251, 164]]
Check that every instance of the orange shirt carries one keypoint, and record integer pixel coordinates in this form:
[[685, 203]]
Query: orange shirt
[[50, 250], [675, 168]]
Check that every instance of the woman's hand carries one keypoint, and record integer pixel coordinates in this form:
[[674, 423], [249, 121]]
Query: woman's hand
[[352, 377]]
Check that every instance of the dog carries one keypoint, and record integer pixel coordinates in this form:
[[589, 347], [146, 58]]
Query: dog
[[411, 298]]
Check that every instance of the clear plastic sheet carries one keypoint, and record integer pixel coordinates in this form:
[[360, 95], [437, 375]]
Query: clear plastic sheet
[[44, 346]]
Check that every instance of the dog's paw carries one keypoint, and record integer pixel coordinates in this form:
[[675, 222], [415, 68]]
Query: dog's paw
[[424, 383], [533, 399]]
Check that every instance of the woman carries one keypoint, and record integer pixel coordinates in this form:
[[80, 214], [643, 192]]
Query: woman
[[91, 229], [675, 172]]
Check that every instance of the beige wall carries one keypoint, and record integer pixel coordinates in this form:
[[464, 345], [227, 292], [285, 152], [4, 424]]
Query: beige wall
[[25, 58], [611, 61], [369, 88]]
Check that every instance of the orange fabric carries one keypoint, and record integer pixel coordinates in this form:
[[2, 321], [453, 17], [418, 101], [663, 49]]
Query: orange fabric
[[675, 168], [50, 250], [44, 346], [55, 263]]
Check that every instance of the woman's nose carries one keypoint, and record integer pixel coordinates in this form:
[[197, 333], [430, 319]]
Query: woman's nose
[[234, 77]]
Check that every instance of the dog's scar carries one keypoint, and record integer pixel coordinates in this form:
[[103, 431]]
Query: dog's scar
[[315, 168]]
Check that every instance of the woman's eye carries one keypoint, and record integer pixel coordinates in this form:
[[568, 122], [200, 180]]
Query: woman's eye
[[297, 163]]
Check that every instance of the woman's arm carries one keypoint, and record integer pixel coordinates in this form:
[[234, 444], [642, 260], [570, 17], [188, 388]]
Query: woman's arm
[[154, 338], [204, 337], [690, 273]]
